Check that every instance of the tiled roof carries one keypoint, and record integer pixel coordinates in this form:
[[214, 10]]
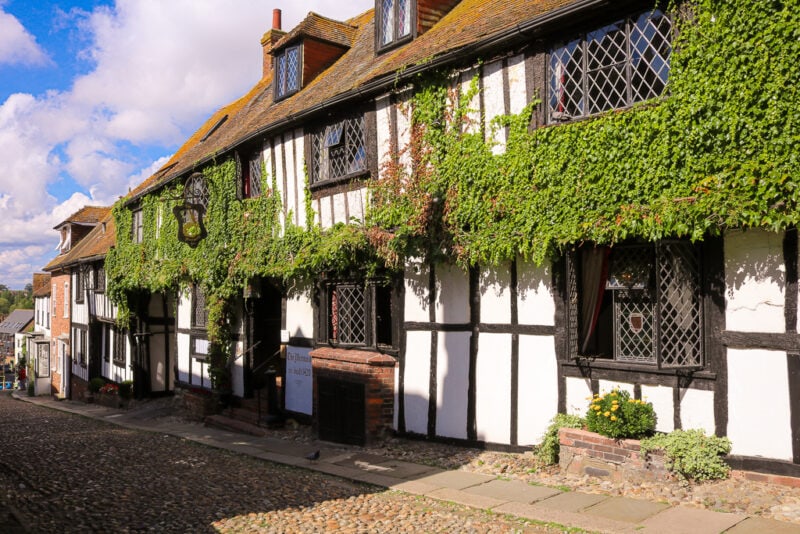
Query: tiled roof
[[95, 243], [320, 28], [41, 284], [85, 215], [16, 321], [467, 25]]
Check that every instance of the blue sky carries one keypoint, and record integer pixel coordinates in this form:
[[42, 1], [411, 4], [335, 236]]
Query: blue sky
[[96, 95]]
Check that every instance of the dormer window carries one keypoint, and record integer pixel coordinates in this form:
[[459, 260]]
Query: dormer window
[[287, 72], [395, 21], [339, 150]]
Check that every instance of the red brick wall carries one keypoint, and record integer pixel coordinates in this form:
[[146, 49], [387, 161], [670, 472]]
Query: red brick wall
[[59, 325], [374, 370]]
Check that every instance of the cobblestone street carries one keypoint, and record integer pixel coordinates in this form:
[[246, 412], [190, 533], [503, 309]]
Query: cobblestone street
[[66, 473]]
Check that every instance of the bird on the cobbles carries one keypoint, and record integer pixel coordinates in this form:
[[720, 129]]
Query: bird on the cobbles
[[312, 457]]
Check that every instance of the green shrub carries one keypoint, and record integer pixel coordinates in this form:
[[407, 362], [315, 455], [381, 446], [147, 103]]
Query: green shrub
[[691, 454], [616, 415], [549, 448], [126, 389], [95, 384], [31, 391]]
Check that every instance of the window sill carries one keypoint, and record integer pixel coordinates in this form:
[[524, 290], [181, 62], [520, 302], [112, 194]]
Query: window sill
[[358, 176], [612, 365], [361, 356]]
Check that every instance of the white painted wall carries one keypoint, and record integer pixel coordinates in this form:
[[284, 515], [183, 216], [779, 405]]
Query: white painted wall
[[495, 295], [290, 202], [325, 212], [184, 311], [278, 154], [300, 315], [494, 104], [607, 385], [339, 208], [183, 357], [492, 388], [237, 370], [356, 204], [579, 390], [759, 418], [537, 388], [452, 383], [473, 116], [416, 386], [415, 305], [517, 85], [755, 278], [661, 398], [697, 410], [300, 178], [535, 302], [452, 294], [404, 131], [383, 109]]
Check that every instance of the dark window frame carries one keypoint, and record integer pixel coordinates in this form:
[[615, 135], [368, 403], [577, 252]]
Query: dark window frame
[[281, 79], [120, 357], [137, 226], [250, 173], [79, 286], [374, 319], [335, 154], [670, 298], [581, 85], [100, 279], [199, 319], [382, 45]]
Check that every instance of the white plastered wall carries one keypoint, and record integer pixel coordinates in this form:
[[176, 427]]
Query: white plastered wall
[[452, 296], [383, 109], [754, 279], [537, 387], [416, 384], [535, 301], [495, 295], [661, 398], [607, 385], [300, 314], [415, 307], [578, 391], [494, 104], [452, 384], [759, 412], [697, 410], [517, 85], [492, 387], [278, 151], [300, 178]]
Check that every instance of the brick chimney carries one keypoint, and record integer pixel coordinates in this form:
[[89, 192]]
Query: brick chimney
[[269, 40]]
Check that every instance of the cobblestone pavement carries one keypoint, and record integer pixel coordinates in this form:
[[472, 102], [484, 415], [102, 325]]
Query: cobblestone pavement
[[64, 473]]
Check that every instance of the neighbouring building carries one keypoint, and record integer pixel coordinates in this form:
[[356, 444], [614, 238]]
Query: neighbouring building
[[15, 324]]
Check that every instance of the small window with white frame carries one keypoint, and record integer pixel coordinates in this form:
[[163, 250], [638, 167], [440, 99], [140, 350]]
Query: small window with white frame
[[137, 226], [288, 71], [394, 22]]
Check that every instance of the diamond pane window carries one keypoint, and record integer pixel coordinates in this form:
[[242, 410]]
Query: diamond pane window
[[348, 315], [395, 21], [637, 303], [339, 150], [358, 313], [610, 68], [199, 310], [287, 72], [254, 176]]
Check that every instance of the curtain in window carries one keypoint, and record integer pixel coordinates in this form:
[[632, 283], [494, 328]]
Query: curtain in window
[[594, 272]]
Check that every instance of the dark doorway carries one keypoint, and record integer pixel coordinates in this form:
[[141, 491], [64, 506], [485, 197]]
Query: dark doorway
[[264, 313], [341, 411]]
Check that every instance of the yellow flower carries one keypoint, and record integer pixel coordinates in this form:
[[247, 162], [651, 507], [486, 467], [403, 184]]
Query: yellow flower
[[613, 417], [607, 414], [596, 408], [614, 408]]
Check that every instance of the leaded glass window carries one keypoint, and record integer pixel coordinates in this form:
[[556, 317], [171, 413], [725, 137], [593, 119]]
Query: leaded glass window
[[358, 313], [637, 303], [199, 309], [249, 172], [395, 21], [339, 150], [611, 67], [287, 72]]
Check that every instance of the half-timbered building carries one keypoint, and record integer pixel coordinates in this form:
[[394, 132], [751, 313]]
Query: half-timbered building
[[704, 328]]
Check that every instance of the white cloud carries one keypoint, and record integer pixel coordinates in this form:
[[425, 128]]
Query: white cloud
[[160, 69], [17, 46]]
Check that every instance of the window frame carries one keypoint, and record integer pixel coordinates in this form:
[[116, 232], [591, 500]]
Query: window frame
[[202, 323], [280, 78], [380, 45], [99, 279], [137, 225], [244, 171], [79, 286], [371, 320], [119, 345], [626, 23], [574, 294], [321, 143]]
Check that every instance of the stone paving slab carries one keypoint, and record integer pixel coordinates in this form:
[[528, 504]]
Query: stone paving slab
[[759, 525], [572, 501], [513, 490], [687, 520], [589, 523], [456, 479], [467, 499], [401, 469], [415, 487], [624, 509]]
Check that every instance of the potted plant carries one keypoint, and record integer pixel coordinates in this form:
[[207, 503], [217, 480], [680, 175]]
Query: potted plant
[[94, 388]]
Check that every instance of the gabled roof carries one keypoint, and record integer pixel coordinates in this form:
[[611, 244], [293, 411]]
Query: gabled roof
[[321, 28], [16, 321], [85, 215], [96, 242], [471, 27]]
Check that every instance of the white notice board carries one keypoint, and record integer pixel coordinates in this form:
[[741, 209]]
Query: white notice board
[[299, 381]]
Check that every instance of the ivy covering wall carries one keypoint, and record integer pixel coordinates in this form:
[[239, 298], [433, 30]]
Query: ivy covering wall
[[719, 150]]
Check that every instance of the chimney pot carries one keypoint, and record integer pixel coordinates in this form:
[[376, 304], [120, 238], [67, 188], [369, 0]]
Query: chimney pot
[[276, 19]]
